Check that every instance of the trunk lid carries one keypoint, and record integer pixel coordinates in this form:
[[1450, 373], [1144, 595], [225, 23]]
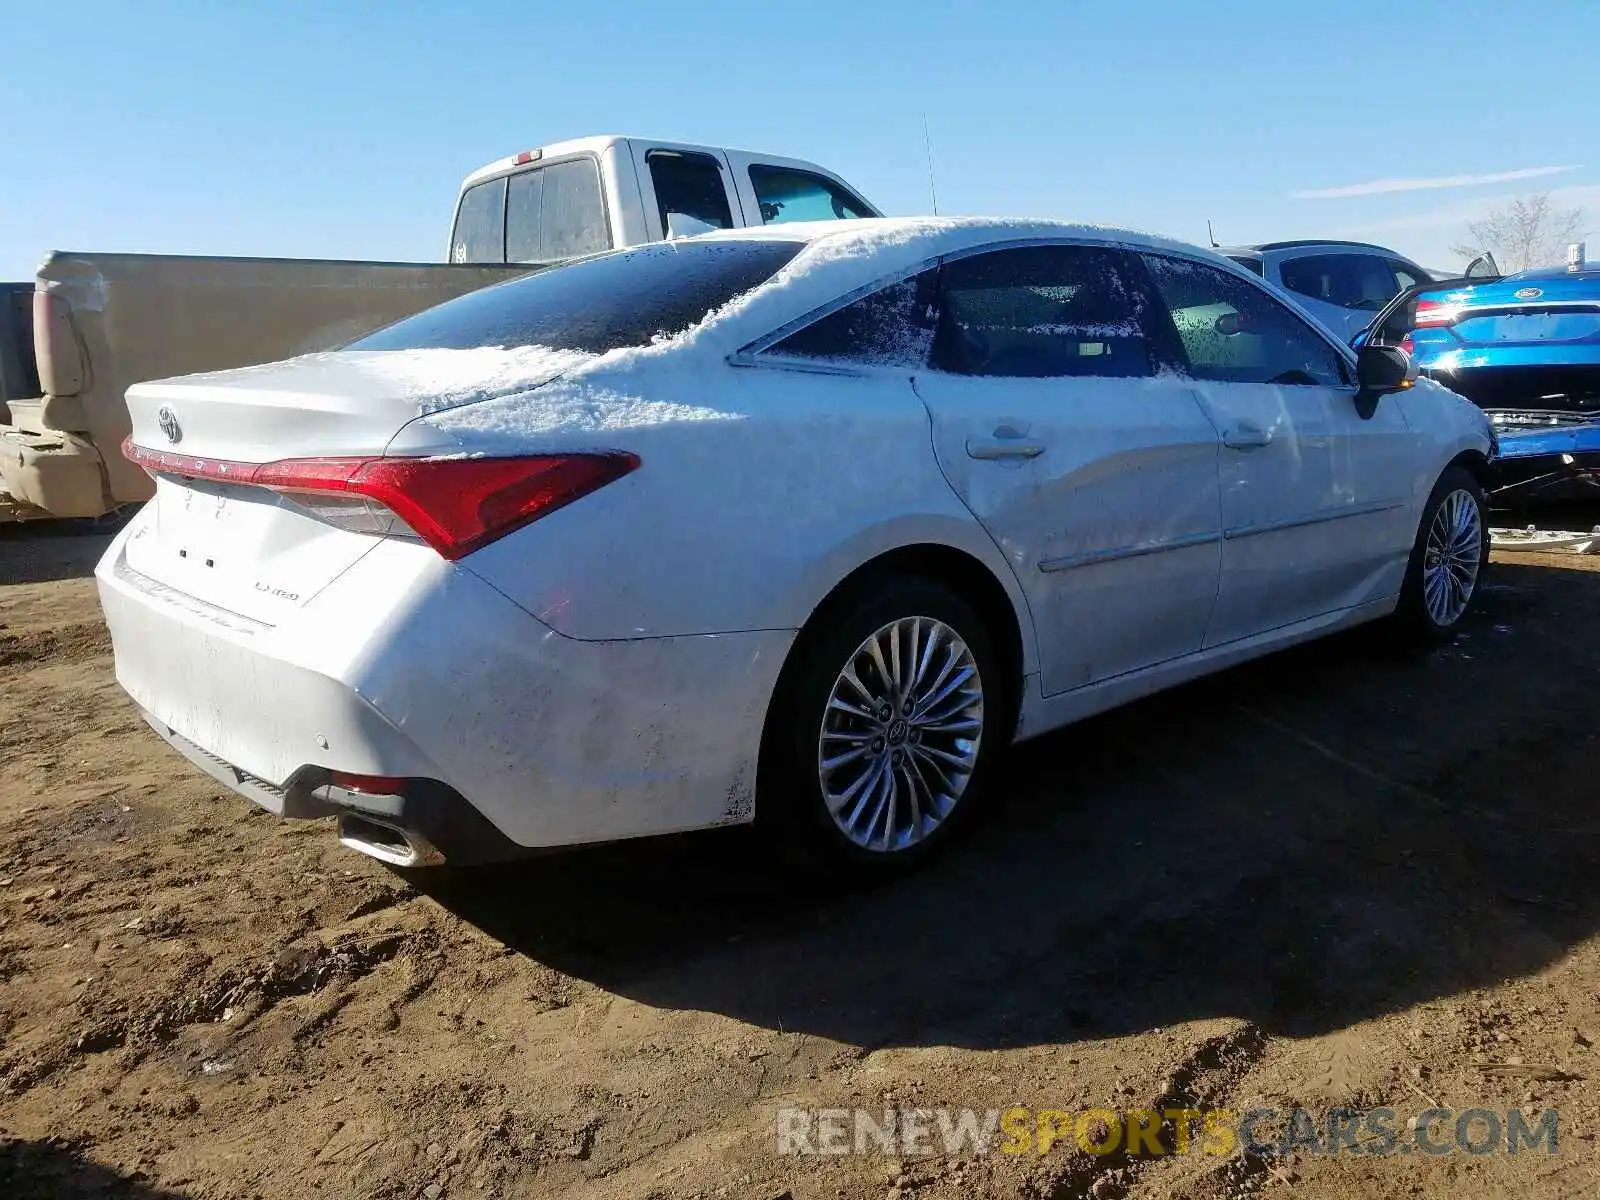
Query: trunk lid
[[256, 552]]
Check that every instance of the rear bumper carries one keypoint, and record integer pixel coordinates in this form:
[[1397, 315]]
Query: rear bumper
[[412, 667], [420, 824], [1548, 465]]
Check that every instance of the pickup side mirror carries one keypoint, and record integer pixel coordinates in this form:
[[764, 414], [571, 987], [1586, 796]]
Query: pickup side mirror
[[1379, 371]]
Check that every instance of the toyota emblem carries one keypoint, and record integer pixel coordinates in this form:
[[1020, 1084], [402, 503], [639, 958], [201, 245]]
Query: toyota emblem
[[1529, 294], [168, 420]]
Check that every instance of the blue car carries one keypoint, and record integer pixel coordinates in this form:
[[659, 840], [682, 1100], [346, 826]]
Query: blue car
[[1526, 349]]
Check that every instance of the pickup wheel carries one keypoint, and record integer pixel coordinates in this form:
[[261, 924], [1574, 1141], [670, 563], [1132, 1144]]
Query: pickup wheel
[[1448, 561]]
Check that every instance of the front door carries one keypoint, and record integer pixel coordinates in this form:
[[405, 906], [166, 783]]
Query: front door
[[1095, 475], [1313, 506]]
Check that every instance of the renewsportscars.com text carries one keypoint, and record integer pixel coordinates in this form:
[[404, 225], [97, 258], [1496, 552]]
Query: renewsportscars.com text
[[911, 1132]]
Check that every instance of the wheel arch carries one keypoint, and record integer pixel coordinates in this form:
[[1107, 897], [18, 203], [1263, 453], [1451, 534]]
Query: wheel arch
[[993, 593], [965, 575], [1476, 463]]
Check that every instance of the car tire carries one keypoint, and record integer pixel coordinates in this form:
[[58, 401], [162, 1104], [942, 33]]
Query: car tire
[[1448, 560], [931, 737]]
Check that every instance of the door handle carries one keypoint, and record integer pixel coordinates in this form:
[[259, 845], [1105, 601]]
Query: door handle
[[1007, 442], [1247, 436]]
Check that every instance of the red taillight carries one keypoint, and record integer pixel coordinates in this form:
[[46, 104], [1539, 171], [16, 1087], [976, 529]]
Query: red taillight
[[1408, 345], [456, 505], [1435, 312]]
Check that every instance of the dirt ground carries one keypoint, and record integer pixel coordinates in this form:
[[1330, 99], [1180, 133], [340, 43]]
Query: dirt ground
[[1336, 877]]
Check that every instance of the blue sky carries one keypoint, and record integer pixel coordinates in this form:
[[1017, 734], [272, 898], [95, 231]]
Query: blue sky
[[343, 129]]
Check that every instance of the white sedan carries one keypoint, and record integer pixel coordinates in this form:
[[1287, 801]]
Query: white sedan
[[800, 526]]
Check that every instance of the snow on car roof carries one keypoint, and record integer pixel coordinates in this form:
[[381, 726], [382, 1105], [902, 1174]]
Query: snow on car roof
[[864, 232]]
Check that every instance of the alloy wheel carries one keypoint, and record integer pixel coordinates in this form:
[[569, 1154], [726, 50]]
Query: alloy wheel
[[1452, 558], [901, 734]]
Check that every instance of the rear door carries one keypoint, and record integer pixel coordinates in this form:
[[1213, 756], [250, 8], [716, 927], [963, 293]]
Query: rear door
[[1315, 502], [1095, 473], [686, 191]]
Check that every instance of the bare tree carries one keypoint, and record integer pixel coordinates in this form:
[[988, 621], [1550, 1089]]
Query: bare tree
[[1529, 232]]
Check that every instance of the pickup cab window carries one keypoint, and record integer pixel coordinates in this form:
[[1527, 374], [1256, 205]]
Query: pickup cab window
[[556, 212], [688, 187], [480, 235], [789, 195]]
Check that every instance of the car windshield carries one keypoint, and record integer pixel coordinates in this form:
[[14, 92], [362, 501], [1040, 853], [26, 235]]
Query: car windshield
[[596, 304]]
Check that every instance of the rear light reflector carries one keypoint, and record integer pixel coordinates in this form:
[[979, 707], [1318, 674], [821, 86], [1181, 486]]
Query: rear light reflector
[[370, 785], [456, 505], [1435, 312]]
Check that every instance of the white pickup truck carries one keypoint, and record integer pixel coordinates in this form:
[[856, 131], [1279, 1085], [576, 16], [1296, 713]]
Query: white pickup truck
[[99, 323]]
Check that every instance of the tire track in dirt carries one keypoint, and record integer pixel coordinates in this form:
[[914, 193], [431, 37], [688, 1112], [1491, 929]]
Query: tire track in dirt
[[73, 642], [1202, 1079], [302, 969]]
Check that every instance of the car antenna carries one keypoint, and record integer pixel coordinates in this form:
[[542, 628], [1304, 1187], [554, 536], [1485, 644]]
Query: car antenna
[[1215, 245], [927, 144]]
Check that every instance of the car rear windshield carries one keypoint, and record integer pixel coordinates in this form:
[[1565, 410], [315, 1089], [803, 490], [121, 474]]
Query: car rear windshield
[[595, 304]]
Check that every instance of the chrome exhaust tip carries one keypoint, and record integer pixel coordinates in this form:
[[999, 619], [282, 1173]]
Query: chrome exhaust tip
[[392, 844]]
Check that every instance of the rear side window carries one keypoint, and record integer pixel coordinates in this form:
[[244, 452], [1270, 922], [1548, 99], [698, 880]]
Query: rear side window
[[892, 327], [631, 298], [788, 195], [1040, 311], [1406, 275], [690, 187], [556, 212], [480, 235], [1248, 263], [1234, 332], [1362, 282]]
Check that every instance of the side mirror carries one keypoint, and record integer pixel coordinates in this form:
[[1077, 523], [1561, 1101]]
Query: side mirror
[[1379, 371]]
